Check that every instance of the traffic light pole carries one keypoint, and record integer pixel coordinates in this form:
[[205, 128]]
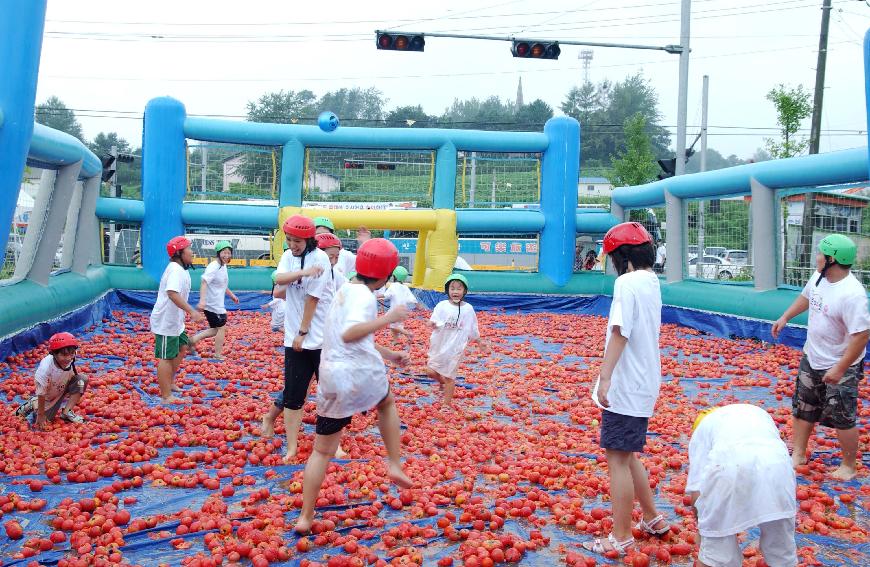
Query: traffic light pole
[[674, 49], [112, 181]]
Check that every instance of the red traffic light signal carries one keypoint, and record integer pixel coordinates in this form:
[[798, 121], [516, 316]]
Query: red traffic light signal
[[400, 41], [527, 49]]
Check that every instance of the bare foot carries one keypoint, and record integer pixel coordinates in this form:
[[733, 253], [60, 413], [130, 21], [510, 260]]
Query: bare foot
[[267, 427], [398, 476], [290, 455], [216, 357], [303, 524], [176, 388], [797, 460], [341, 453], [844, 473], [173, 400]]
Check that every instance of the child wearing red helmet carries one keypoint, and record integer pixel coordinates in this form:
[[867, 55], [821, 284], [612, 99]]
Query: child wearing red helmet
[[353, 377], [56, 381], [305, 270], [171, 342], [628, 383]]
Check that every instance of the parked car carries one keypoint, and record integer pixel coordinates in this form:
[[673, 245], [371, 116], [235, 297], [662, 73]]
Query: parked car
[[739, 257], [718, 251], [713, 268]]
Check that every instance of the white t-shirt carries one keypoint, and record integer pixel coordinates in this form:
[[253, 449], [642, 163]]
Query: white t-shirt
[[166, 318], [216, 281], [637, 310], [51, 380], [319, 287], [398, 293], [277, 305], [661, 254], [346, 261], [455, 326], [836, 312], [742, 469], [339, 278], [353, 377]]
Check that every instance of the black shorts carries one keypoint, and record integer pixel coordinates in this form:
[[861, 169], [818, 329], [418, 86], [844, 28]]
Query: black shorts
[[623, 432], [332, 425], [299, 367], [215, 320], [831, 405]]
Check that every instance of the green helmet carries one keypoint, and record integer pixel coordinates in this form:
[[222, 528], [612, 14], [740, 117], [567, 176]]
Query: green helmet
[[323, 221], [351, 275], [400, 273], [458, 278], [221, 245], [274, 276], [841, 248]]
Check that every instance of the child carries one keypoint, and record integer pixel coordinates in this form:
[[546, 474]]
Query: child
[[277, 305], [214, 287], [740, 476], [346, 259], [331, 245], [171, 343], [306, 271], [454, 324], [397, 293], [56, 381], [353, 377], [826, 389], [628, 384]]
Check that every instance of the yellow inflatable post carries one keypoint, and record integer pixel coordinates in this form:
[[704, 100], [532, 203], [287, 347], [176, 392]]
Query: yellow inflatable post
[[437, 245]]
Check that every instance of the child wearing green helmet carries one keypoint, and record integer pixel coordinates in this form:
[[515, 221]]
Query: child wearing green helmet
[[397, 293], [838, 327], [212, 291], [346, 259], [454, 325]]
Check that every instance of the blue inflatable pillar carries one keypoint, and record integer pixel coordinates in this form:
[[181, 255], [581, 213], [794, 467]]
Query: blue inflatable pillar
[[292, 172], [21, 29], [445, 177], [164, 180], [559, 176], [866, 86]]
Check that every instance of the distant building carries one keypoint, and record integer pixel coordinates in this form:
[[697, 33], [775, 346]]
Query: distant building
[[839, 212], [594, 187], [318, 181]]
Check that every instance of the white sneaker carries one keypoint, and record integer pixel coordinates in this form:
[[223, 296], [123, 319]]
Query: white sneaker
[[71, 417], [25, 409]]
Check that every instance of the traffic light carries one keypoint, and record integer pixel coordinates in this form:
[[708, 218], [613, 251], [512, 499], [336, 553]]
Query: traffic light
[[386, 166], [528, 49], [348, 164], [400, 41], [126, 158], [669, 168], [109, 162]]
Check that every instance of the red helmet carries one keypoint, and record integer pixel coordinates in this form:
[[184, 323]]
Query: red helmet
[[62, 340], [377, 258], [327, 240], [176, 245], [625, 233], [299, 226]]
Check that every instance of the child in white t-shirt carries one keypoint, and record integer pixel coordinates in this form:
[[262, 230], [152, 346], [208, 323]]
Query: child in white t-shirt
[[276, 305], [397, 293], [740, 476], [213, 289], [826, 389], [628, 384], [56, 382], [353, 376], [171, 343], [454, 325]]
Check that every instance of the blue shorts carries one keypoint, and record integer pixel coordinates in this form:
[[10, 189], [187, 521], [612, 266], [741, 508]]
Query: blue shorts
[[622, 432]]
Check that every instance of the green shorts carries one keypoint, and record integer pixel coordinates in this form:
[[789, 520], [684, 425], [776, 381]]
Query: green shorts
[[166, 348]]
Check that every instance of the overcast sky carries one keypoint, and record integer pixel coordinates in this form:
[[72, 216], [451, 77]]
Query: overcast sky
[[106, 59]]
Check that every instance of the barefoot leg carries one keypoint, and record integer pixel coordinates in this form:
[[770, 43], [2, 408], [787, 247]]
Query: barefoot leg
[[315, 471], [391, 433]]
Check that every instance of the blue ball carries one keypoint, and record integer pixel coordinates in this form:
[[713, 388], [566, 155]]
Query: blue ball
[[327, 121]]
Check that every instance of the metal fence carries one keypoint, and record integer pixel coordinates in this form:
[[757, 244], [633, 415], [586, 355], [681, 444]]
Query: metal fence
[[718, 239], [232, 172], [121, 243], [350, 175], [497, 180], [806, 218]]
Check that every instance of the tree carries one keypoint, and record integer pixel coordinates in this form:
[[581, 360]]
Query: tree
[[283, 107], [602, 110], [400, 116], [636, 163], [103, 143], [531, 117], [359, 107], [488, 114], [792, 107], [55, 114]]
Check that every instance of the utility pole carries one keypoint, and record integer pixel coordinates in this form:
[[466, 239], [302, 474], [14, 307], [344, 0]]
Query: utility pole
[[807, 218], [701, 204], [113, 191]]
